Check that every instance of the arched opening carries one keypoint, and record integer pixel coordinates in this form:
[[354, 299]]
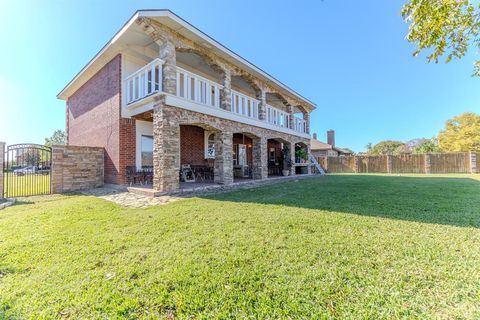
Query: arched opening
[[244, 96], [242, 155], [198, 78], [197, 154], [279, 157], [301, 158], [277, 111]]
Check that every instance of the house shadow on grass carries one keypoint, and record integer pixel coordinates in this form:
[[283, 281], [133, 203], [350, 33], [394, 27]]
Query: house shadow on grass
[[447, 200]]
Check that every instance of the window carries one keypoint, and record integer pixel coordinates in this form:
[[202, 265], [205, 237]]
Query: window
[[271, 155], [234, 156], [147, 151], [209, 145], [242, 155]]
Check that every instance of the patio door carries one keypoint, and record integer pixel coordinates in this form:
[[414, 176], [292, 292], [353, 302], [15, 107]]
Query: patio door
[[242, 155]]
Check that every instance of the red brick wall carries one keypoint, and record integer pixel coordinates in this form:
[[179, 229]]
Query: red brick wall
[[93, 119], [192, 146], [127, 146]]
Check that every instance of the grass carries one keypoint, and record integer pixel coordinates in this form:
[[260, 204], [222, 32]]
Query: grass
[[29, 184], [343, 246]]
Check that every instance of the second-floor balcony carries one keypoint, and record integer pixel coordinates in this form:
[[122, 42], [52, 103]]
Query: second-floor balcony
[[192, 87]]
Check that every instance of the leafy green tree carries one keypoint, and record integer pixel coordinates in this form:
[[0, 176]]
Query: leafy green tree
[[426, 146], [32, 157], [57, 138], [386, 147], [443, 27], [461, 134]]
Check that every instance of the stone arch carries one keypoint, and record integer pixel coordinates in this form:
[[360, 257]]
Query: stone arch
[[206, 125], [246, 84], [278, 156], [206, 58]]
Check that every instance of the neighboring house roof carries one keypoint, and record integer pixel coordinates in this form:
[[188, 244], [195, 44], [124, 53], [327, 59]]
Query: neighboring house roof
[[316, 145], [132, 31], [319, 145]]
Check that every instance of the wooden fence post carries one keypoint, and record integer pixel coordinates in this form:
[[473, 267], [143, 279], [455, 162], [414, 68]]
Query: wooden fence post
[[2, 155], [389, 163], [427, 163], [473, 162], [355, 164], [326, 163]]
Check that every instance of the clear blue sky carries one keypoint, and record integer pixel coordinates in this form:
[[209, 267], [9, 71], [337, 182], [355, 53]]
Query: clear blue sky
[[350, 57]]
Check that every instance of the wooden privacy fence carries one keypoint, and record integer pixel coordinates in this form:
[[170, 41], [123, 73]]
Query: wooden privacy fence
[[462, 162]]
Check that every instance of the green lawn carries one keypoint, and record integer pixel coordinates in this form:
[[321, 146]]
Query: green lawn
[[29, 184], [341, 246]]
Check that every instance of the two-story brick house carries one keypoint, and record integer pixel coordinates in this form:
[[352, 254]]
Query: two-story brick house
[[161, 93]]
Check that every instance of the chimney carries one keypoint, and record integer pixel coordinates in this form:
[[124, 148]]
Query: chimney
[[331, 137], [315, 135]]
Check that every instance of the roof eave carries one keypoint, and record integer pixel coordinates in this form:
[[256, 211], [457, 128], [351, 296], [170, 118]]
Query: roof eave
[[165, 12]]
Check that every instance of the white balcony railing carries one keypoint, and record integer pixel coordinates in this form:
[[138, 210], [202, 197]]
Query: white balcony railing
[[190, 86], [144, 82], [193, 87], [277, 117], [299, 125], [244, 105]]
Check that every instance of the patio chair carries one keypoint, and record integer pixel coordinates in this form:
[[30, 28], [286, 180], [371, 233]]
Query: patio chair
[[187, 173]]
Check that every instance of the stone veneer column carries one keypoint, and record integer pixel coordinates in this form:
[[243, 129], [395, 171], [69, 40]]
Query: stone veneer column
[[262, 106], [292, 159], [226, 92], [260, 158], [290, 117], [166, 148], [306, 117], [223, 170], [2, 155], [56, 169], [169, 69]]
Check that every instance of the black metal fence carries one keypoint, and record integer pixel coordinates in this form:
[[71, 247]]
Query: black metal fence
[[27, 170]]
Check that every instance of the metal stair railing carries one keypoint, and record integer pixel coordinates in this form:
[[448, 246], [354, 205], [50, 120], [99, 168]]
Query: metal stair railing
[[316, 164]]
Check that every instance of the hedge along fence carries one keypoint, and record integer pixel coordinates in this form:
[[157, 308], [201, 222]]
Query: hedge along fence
[[462, 162]]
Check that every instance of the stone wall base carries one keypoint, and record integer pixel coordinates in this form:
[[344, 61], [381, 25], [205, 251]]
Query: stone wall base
[[76, 168]]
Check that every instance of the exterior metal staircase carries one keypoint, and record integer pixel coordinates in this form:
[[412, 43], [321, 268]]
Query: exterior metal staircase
[[316, 164]]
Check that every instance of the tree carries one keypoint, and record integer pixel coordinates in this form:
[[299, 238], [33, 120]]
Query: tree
[[57, 138], [443, 27], [368, 147], [461, 134], [426, 146], [386, 147]]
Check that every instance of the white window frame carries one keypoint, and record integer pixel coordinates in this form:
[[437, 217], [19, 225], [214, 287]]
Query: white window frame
[[206, 136]]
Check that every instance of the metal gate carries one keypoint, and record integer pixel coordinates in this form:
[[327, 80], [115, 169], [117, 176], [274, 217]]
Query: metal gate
[[27, 170]]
